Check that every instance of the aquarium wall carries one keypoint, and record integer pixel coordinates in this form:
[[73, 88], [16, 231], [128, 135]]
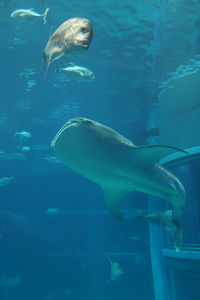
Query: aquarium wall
[[178, 100], [179, 108], [176, 274], [174, 121]]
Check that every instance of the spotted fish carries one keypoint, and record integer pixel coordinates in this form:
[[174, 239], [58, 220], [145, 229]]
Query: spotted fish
[[119, 167]]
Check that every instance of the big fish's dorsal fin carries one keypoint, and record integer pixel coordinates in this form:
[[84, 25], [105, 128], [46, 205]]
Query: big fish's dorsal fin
[[112, 197], [153, 153]]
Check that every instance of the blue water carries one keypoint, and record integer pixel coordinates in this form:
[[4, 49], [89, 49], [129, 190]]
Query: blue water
[[55, 231]]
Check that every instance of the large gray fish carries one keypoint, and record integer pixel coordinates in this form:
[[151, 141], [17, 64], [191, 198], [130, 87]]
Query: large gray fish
[[119, 167], [73, 36]]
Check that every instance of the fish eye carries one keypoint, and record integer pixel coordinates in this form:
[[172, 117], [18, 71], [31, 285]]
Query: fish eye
[[83, 29], [87, 122], [74, 120]]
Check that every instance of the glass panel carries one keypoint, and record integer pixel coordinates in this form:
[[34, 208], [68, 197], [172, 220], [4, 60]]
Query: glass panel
[[188, 173], [184, 285]]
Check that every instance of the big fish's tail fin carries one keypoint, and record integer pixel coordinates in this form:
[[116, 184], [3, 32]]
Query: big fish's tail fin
[[46, 16], [165, 219]]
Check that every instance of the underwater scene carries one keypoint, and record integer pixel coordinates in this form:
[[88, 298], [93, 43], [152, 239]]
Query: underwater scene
[[100, 150]]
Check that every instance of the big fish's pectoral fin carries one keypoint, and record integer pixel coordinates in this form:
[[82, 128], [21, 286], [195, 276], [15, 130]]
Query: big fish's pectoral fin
[[112, 197], [153, 153], [165, 219], [44, 64]]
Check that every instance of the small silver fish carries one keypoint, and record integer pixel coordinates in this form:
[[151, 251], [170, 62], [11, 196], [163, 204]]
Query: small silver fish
[[77, 73], [116, 270], [22, 136], [39, 147], [13, 156], [10, 281], [51, 159], [72, 36], [134, 237], [29, 13], [53, 211], [25, 149], [5, 180]]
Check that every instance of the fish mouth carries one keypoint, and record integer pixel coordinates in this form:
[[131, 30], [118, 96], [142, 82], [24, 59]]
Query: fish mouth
[[72, 122]]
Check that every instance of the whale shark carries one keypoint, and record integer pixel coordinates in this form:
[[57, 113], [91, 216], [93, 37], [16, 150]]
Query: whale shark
[[5, 180], [119, 167]]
